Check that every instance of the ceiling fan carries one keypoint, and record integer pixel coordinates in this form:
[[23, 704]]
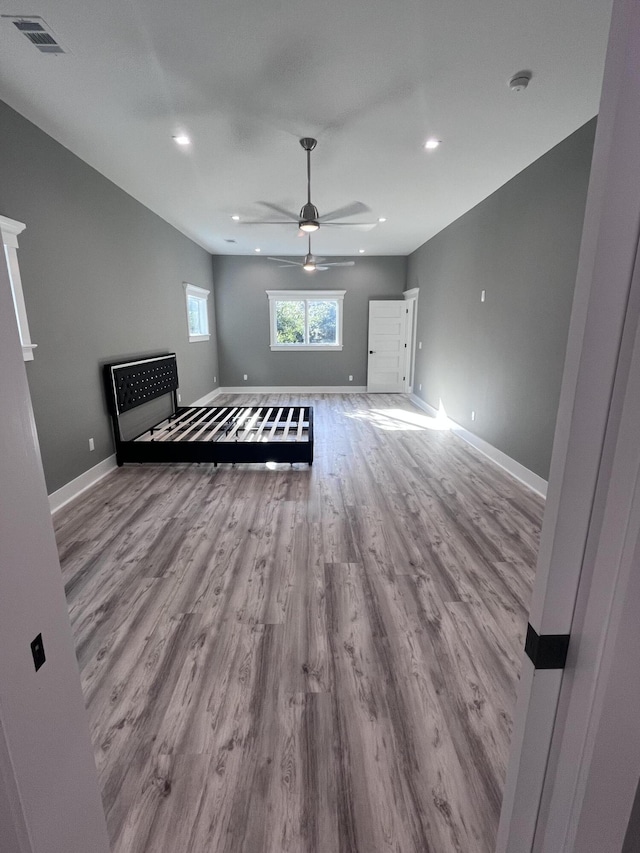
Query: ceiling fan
[[309, 219], [310, 262]]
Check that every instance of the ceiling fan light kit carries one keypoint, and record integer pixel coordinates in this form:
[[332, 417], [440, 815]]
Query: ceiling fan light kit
[[310, 263], [309, 219]]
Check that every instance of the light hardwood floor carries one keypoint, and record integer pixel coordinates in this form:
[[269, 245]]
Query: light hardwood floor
[[305, 660]]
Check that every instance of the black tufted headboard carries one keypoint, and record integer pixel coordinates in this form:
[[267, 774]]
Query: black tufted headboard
[[130, 384]]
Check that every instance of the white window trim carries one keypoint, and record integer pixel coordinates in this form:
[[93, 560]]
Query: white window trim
[[300, 295], [199, 293], [10, 228]]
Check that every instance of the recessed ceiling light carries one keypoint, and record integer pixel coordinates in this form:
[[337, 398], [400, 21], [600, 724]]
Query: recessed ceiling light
[[235, 217], [182, 139], [257, 250], [382, 219], [432, 143], [361, 251]]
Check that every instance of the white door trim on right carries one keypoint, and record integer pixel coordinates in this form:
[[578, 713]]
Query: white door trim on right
[[581, 466], [411, 298], [597, 761]]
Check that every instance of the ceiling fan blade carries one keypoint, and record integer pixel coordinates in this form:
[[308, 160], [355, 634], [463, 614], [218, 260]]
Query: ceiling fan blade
[[265, 222], [341, 264], [361, 226], [281, 210], [285, 261], [348, 210]]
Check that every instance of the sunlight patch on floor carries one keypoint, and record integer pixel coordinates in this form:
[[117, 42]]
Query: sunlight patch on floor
[[399, 419]]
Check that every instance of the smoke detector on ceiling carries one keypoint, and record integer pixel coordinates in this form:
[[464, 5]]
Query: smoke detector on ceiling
[[520, 81], [38, 32]]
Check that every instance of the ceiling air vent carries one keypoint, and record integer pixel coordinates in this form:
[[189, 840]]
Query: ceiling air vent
[[38, 32]]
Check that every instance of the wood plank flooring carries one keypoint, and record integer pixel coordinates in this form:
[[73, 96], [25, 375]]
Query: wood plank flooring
[[305, 660]]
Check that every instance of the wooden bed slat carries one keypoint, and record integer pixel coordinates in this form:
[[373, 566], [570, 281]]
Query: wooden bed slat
[[244, 424], [276, 422], [264, 423], [249, 432], [219, 424], [199, 417], [171, 424], [210, 422], [285, 434], [243, 417]]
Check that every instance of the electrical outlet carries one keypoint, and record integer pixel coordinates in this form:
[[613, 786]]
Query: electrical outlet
[[419, 344], [37, 650], [245, 377], [215, 379], [350, 378], [482, 295], [92, 445], [179, 397], [420, 387], [473, 416]]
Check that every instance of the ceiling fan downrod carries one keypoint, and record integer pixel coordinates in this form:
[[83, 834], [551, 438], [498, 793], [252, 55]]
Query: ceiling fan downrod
[[309, 212]]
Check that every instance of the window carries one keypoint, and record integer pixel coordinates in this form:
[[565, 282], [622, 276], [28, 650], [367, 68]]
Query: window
[[305, 319], [9, 229], [197, 312]]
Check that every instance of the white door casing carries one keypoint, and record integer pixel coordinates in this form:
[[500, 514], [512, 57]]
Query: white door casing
[[592, 790], [411, 301], [386, 364], [545, 806]]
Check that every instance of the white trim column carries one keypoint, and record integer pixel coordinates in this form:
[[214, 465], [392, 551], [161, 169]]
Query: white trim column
[[10, 228]]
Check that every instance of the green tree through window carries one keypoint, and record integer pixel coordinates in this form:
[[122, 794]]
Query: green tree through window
[[306, 319], [322, 322], [290, 322]]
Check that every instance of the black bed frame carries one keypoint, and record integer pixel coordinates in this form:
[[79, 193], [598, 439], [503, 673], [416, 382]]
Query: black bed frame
[[133, 383]]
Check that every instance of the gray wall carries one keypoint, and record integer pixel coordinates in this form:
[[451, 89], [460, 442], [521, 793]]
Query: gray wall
[[242, 311], [504, 358], [102, 279]]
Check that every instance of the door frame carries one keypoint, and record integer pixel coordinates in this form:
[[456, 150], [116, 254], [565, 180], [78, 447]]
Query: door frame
[[546, 802], [411, 327]]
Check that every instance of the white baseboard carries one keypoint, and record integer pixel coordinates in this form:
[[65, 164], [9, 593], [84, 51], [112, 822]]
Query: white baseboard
[[524, 475], [75, 487], [208, 398], [294, 389]]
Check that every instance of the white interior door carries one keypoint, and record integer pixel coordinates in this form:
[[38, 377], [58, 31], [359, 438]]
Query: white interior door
[[386, 366]]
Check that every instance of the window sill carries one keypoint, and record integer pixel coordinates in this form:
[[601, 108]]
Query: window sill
[[307, 347], [193, 339]]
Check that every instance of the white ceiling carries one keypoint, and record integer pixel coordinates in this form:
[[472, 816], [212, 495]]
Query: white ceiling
[[371, 79]]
